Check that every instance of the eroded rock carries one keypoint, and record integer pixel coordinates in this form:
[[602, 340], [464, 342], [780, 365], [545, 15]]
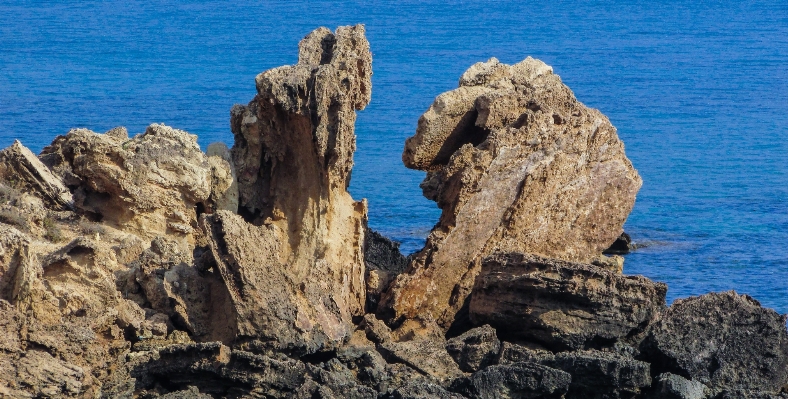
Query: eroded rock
[[517, 164], [723, 340], [518, 380], [294, 263], [562, 305], [475, 349], [26, 172]]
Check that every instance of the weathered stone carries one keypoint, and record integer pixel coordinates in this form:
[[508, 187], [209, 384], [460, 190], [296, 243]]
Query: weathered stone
[[518, 380], [294, 263], [723, 340], [148, 185], [20, 166], [598, 374], [514, 353], [421, 388], [517, 164], [428, 356], [475, 349], [671, 386], [562, 305], [622, 245], [384, 262], [224, 183]]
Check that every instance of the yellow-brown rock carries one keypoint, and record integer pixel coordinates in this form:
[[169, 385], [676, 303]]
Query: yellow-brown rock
[[517, 164], [293, 259]]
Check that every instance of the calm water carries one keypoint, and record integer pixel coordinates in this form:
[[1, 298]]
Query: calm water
[[699, 93]]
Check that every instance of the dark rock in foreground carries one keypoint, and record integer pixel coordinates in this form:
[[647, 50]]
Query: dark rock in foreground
[[724, 340], [562, 305]]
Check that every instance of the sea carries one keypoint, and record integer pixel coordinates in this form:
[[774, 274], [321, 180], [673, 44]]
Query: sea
[[698, 91]]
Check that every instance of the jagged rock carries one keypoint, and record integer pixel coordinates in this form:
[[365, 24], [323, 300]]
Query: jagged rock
[[723, 340], [421, 388], [562, 305], [224, 190], [514, 353], [517, 164], [149, 185], [622, 245], [195, 301], [383, 261], [598, 374], [671, 386], [428, 356], [294, 264], [475, 349], [20, 166], [518, 380]]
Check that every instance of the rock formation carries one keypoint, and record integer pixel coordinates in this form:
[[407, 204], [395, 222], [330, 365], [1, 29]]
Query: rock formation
[[517, 164], [143, 268], [562, 305], [293, 259]]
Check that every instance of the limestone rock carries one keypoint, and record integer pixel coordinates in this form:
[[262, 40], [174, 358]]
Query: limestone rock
[[723, 340], [562, 305], [148, 185], [20, 166], [517, 164], [294, 264], [475, 349]]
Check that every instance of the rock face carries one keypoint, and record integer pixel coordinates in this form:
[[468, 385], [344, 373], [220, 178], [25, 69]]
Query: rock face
[[294, 263], [19, 165], [149, 185], [725, 341], [517, 164], [562, 305]]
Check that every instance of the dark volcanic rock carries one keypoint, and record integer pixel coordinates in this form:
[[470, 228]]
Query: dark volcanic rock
[[421, 389], [384, 262], [475, 349], [514, 353], [671, 386], [518, 380], [622, 245], [724, 340], [562, 305], [598, 374]]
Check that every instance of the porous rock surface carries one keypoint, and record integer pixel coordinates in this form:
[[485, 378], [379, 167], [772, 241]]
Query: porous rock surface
[[139, 267], [517, 164], [562, 305], [293, 259], [723, 340]]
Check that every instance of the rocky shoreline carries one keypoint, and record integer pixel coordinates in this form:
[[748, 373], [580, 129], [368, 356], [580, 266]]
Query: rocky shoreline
[[142, 267]]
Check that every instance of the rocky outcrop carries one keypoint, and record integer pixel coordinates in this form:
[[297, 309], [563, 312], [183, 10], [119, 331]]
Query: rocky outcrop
[[562, 305], [152, 184], [383, 262], [517, 164], [20, 167], [518, 380], [475, 349], [723, 340], [293, 260]]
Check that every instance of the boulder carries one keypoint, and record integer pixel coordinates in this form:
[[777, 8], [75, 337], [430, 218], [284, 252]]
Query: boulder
[[517, 164], [383, 262], [622, 245], [293, 260], [671, 386], [562, 305], [515, 353], [475, 349], [597, 374], [723, 340], [26, 173], [152, 184], [518, 380]]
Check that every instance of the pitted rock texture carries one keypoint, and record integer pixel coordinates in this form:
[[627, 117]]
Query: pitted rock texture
[[562, 305], [25, 170], [517, 164], [294, 264], [723, 340], [149, 185]]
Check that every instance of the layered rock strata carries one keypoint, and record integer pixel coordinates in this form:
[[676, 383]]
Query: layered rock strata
[[562, 305], [517, 164]]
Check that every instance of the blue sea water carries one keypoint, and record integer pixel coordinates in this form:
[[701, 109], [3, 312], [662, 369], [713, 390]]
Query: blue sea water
[[697, 90]]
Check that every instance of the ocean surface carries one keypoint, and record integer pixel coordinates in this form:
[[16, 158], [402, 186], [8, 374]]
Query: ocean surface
[[697, 90]]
